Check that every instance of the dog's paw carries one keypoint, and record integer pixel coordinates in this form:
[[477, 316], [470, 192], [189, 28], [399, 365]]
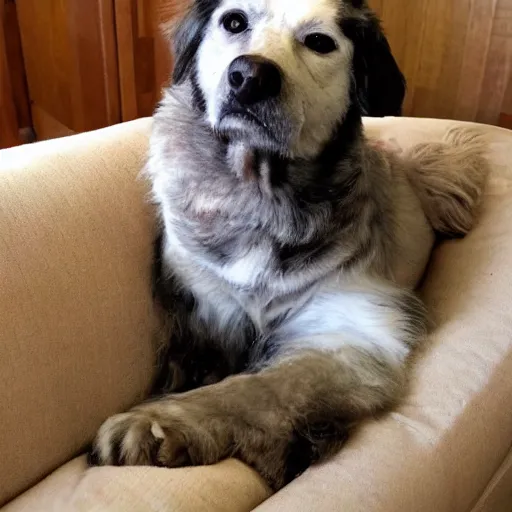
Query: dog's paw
[[141, 438]]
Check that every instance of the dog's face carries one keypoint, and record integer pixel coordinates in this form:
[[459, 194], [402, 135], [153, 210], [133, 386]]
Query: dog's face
[[280, 75]]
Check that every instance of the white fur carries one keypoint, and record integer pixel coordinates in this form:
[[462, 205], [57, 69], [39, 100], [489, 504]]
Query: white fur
[[358, 313], [248, 270], [316, 87]]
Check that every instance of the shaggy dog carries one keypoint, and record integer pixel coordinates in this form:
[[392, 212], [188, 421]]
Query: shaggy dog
[[290, 245]]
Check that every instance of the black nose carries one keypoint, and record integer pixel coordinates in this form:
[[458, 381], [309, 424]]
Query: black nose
[[254, 79]]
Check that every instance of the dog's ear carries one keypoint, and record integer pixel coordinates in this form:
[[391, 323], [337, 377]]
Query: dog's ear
[[186, 36], [379, 85]]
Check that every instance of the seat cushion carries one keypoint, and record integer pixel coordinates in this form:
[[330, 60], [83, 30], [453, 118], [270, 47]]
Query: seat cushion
[[446, 448], [229, 486]]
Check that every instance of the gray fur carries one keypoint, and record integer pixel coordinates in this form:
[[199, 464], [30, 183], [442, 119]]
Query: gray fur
[[297, 264]]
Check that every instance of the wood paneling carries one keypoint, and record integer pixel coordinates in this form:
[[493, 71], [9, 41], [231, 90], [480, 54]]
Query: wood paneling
[[46, 126], [94, 63], [144, 54], [16, 122], [16, 64], [71, 61], [456, 55], [8, 120]]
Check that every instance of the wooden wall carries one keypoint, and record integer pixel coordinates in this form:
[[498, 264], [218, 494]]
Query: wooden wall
[[8, 121], [71, 62], [93, 63], [456, 55], [15, 118], [144, 56]]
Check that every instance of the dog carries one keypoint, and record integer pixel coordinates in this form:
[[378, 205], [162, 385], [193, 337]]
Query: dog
[[291, 245]]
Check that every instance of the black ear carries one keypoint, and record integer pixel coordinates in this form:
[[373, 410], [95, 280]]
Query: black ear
[[378, 84], [187, 36]]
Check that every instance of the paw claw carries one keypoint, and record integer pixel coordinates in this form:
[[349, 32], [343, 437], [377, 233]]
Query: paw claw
[[138, 439], [157, 431]]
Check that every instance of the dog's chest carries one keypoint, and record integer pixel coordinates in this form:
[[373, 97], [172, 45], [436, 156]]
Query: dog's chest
[[230, 310], [247, 252], [236, 274], [255, 242]]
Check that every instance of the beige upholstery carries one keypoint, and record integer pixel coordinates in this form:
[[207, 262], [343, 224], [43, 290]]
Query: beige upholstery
[[77, 343], [76, 319]]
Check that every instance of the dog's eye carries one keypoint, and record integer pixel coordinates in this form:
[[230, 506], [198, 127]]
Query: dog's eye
[[320, 43], [235, 22]]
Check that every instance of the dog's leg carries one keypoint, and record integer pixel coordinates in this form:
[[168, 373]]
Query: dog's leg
[[188, 357], [347, 366]]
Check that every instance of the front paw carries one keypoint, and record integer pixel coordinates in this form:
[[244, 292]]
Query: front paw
[[143, 437]]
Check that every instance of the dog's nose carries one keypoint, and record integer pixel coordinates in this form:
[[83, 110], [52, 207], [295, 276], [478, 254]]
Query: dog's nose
[[253, 79]]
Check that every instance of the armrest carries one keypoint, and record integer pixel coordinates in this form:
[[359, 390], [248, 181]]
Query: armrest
[[446, 447], [77, 324]]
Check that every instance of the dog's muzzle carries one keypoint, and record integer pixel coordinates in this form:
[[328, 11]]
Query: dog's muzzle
[[253, 110], [253, 79]]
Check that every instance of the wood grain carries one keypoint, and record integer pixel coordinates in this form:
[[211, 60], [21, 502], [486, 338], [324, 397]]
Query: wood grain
[[16, 65], [8, 120], [94, 63], [71, 61], [125, 25], [456, 55], [46, 126], [144, 55]]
